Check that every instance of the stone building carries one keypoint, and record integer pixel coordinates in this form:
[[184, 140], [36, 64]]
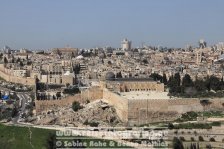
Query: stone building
[[131, 84], [134, 84]]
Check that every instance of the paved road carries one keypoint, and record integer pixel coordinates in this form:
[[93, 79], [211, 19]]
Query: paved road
[[23, 100]]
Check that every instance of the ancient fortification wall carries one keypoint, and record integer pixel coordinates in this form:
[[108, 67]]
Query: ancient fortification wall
[[119, 103], [90, 94], [44, 105], [135, 112], [147, 111], [14, 79]]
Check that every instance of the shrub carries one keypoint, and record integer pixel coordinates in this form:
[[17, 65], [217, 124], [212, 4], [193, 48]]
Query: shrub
[[177, 144], [170, 126], [193, 126], [175, 132], [92, 124], [71, 91], [212, 139], [216, 123], [182, 138], [200, 138], [195, 132], [76, 106]]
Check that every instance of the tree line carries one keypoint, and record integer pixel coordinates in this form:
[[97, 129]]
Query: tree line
[[189, 88]]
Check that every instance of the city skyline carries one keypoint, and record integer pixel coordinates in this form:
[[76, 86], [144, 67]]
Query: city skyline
[[86, 24]]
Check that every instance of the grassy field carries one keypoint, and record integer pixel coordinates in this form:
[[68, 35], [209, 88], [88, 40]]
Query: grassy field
[[14, 137]]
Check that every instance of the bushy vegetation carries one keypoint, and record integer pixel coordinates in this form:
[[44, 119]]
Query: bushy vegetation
[[157, 77], [213, 114], [211, 86], [2, 79], [212, 139], [6, 114], [193, 126], [200, 138], [177, 143], [216, 124], [76, 106], [43, 86], [192, 116], [92, 124], [71, 91], [189, 116]]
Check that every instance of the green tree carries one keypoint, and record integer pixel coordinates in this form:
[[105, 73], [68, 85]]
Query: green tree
[[1, 55], [5, 60], [145, 61], [18, 60], [119, 75], [222, 84], [76, 106], [187, 85], [208, 83], [177, 78], [77, 69], [156, 77], [205, 103], [164, 80], [21, 64], [51, 141], [187, 81], [200, 138], [177, 143], [58, 95], [174, 84], [215, 84], [200, 85]]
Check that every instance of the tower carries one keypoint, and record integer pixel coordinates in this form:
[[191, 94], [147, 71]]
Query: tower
[[202, 44], [198, 56], [126, 45]]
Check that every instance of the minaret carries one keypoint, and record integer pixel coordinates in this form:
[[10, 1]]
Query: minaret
[[199, 55]]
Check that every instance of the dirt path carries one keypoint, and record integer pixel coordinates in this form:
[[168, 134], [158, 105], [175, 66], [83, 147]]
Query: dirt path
[[31, 138]]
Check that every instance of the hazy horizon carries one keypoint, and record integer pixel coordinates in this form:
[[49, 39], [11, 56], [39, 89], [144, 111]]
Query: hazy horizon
[[86, 24]]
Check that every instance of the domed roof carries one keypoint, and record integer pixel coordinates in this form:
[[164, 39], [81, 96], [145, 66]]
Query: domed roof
[[109, 76]]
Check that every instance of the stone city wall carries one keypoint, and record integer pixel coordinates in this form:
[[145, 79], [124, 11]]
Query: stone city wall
[[135, 112], [14, 79], [45, 105], [119, 103], [90, 94], [148, 111]]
